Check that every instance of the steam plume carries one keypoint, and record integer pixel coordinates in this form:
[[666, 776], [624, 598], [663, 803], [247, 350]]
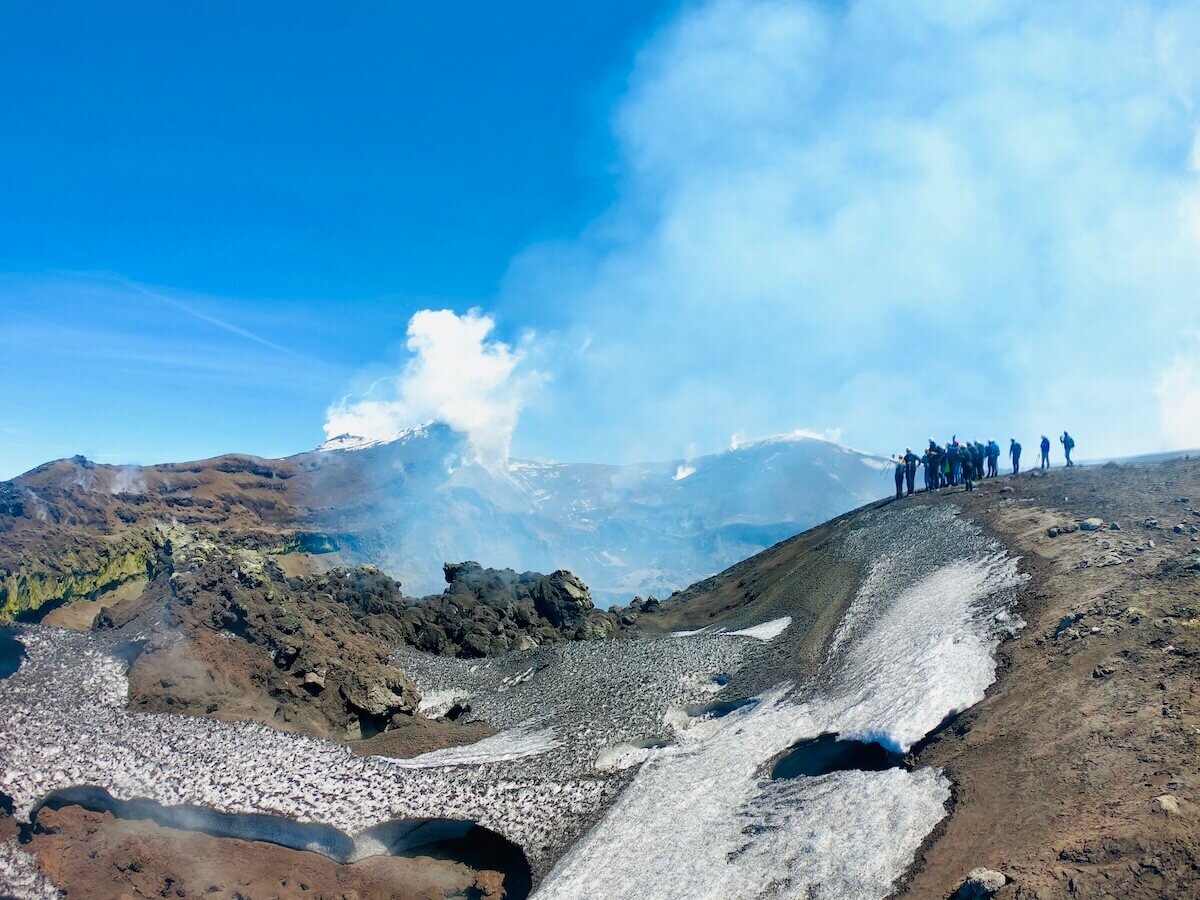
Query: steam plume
[[457, 375]]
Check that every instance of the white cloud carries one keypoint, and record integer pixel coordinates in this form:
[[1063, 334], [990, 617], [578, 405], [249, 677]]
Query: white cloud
[[1178, 393], [458, 375]]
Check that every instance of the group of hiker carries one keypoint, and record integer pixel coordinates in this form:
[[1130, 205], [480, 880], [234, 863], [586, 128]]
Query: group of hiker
[[966, 462]]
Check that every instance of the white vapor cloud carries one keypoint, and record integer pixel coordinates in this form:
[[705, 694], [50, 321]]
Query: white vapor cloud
[[909, 218], [457, 374], [1178, 395]]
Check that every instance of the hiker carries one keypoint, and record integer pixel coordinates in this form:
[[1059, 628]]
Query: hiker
[[977, 459], [910, 468], [933, 468], [900, 469], [968, 475], [1014, 452], [927, 462], [1046, 452], [1068, 443], [954, 452], [993, 458]]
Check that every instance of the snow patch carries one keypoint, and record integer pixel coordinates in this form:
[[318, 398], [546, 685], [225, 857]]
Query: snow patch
[[358, 442], [767, 631], [515, 743], [436, 704], [720, 830], [927, 654], [683, 472], [625, 755]]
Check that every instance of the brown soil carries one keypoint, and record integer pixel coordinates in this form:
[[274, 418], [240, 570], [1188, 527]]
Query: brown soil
[[79, 615], [1095, 715], [93, 855]]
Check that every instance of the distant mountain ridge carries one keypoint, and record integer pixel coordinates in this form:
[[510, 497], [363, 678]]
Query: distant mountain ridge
[[625, 529], [419, 499]]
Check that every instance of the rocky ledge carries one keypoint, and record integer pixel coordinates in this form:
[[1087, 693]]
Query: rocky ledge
[[224, 631]]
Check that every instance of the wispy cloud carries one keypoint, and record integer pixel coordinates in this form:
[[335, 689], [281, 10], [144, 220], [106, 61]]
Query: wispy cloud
[[210, 319]]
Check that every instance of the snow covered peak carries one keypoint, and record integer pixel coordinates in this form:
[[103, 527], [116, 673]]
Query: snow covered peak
[[800, 435], [357, 442], [343, 442]]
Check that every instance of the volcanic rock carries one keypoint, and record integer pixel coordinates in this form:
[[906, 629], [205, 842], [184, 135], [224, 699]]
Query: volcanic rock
[[980, 884]]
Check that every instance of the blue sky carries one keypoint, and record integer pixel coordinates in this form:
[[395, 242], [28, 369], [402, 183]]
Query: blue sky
[[678, 223]]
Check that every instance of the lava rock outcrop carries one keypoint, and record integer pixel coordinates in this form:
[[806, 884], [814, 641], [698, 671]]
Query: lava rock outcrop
[[486, 612]]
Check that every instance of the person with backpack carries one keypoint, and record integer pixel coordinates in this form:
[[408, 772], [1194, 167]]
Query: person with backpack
[[901, 466], [1068, 443], [1045, 452], [993, 458], [1014, 453]]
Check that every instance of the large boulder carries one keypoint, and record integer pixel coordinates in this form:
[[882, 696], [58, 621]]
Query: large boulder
[[562, 599], [980, 884], [378, 691]]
